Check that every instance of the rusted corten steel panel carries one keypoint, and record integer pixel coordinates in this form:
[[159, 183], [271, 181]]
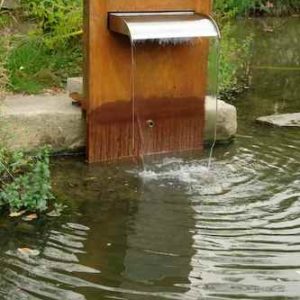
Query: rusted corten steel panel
[[170, 84]]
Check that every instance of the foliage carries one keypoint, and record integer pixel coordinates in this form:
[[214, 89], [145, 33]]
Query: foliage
[[34, 67], [46, 55], [4, 44], [234, 63], [59, 21], [25, 180], [232, 8], [5, 20]]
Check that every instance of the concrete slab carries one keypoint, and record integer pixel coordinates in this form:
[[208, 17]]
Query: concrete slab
[[29, 122], [284, 120]]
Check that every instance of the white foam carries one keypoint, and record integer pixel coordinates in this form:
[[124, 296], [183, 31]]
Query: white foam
[[176, 169]]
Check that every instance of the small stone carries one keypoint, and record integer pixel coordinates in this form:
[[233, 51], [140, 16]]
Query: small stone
[[28, 252], [17, 214], [75, 85], [54, 213], [30, 217]]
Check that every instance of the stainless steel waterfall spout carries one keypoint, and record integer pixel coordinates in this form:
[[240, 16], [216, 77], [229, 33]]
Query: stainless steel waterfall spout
[[163, 25]]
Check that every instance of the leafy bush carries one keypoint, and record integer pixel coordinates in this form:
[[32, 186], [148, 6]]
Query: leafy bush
[[25, 181], [59, 21], [48, 54], [234, 63], [232, 8]]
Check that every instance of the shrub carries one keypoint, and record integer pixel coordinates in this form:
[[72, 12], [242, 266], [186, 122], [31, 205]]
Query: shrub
[[46, 56], [232, 8], [25, 181], [234, 63], [59, 21]]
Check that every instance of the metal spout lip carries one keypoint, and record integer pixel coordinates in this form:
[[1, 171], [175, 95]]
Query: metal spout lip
[[163, 25]]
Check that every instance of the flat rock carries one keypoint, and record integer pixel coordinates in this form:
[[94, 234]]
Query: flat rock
[[10, 4], [284, 120], [29, 122]]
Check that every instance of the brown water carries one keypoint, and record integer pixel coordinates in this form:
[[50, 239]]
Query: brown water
[[177, 231]]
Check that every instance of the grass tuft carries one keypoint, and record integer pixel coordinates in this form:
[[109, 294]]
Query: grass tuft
[[34, 67]]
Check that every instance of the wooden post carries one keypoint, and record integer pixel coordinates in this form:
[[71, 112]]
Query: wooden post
[[170, 84]]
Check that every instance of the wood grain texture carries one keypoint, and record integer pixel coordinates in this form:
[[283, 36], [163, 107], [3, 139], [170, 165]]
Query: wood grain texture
[[161, 73]]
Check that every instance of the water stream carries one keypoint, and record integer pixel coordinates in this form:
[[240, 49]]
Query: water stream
[[179, 231]]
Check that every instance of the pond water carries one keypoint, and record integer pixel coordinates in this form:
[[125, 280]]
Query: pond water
[[178, 231]]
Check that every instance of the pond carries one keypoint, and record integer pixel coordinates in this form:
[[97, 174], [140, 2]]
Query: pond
[[177, 231]]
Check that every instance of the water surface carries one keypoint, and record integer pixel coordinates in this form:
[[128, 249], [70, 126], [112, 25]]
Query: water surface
[[178, 231]]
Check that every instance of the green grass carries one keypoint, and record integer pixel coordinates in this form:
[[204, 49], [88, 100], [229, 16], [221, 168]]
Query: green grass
[[5, 20], [48, 53], [33, 66], [3, 57]]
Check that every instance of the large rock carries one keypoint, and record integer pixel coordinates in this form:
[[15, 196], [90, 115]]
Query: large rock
[[28, 122], [284, 120], [221, 116]]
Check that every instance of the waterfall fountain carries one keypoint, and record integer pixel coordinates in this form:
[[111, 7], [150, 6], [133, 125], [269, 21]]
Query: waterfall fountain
[[146, 76]]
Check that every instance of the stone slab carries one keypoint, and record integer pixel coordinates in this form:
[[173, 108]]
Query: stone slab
[[29, 122], [10, 4], [283, 120]]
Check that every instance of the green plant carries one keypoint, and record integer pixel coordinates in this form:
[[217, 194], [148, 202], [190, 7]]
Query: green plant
[[233, 8], [234, 63], [33, 66], [4, 47], [5, 20], [59, 21], [46, 56], [25, 180]]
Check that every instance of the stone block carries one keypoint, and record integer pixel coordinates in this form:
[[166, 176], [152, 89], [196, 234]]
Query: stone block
[[10, 4]]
